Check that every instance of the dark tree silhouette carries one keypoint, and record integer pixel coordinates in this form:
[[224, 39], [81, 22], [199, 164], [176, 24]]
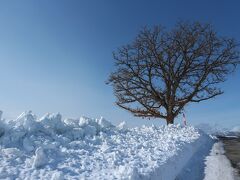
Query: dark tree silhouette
[[161, 71]]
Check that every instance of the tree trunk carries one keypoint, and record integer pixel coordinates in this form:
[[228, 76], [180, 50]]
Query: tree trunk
[[170, 119]]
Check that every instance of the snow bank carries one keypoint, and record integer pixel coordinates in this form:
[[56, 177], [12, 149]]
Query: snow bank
[[217, 164], [193, 157], [85, 148]]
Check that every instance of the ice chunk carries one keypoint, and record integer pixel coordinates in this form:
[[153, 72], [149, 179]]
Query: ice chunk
[[90, 126], [57, 176], [104, 123], [77, 133], [126, 172], [90, 131], [27, 145], [27, 120], [40, 158], [53, 122], [84, 121], [74, 123], [122, 126], [11, 152]]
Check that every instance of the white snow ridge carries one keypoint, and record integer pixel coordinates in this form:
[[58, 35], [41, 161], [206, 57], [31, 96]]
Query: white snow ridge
[[54, 148]]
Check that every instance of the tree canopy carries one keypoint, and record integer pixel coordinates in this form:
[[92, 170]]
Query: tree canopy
[[162, 71]]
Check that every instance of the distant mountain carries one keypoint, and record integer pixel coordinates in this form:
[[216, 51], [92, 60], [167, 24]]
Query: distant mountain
[[235, 131]]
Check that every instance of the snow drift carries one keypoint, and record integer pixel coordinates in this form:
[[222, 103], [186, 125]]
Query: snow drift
[[85, 148]]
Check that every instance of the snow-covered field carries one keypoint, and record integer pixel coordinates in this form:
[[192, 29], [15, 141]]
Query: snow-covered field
[[54, 148]]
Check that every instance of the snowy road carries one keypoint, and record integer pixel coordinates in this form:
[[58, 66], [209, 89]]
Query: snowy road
[[224, 160], [217, 165], [232, 150]]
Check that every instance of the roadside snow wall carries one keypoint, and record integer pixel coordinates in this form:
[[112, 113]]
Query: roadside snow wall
[[85, 148]]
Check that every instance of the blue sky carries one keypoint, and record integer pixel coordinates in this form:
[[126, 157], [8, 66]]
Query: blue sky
[[55, 56]]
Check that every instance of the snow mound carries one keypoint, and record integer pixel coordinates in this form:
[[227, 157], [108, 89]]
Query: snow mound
[[86, 148]]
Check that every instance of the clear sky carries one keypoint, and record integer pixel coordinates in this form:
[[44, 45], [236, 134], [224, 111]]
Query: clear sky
[[55, 56]]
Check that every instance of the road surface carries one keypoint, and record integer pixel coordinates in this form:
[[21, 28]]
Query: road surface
[[232, 151]]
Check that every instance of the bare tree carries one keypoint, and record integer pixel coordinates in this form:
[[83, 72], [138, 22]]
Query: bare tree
[[161, 71]]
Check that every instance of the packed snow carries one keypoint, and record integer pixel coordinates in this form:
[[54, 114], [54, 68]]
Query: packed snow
[[51, 147], [217, 164]]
